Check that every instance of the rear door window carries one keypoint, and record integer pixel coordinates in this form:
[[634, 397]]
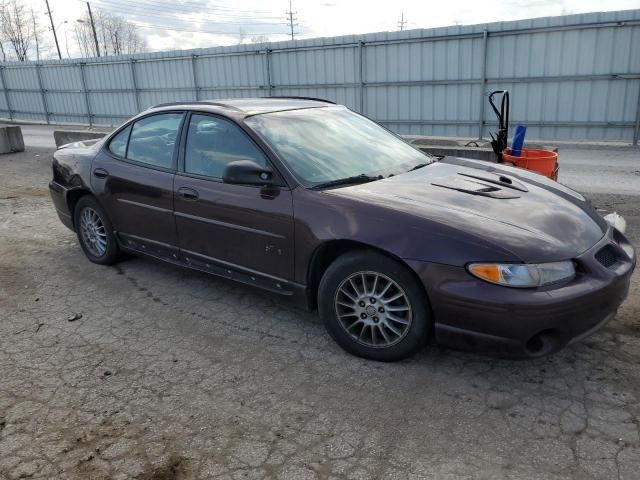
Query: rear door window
[[153, 139], [212, 143]]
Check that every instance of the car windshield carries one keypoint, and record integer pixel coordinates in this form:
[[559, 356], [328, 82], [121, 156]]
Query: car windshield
[[327, 144]]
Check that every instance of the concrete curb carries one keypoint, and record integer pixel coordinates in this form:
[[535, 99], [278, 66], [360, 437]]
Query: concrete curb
[[11, 139]]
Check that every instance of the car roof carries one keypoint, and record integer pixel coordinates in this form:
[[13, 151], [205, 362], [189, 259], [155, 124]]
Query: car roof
[[248, 106]]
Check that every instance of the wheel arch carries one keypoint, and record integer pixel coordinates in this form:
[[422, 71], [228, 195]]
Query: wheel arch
[[73, 197], [326, 253]]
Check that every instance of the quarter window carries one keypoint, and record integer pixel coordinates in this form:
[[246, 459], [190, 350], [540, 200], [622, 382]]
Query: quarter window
[[153, 139], [118, 144], [212, 143]]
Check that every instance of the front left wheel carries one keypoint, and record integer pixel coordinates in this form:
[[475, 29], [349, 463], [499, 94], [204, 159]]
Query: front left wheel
[[374, 307], [95, 232]]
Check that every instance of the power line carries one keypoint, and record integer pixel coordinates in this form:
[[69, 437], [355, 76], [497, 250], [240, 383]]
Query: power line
[[210, 32], [171, 19], [291, 18], [174, 13], [185, 8], [402, 22], [158, 21], [177, 20], [199, 5]]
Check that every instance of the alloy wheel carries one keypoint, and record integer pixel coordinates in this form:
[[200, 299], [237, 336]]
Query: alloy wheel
[[93, 232], [373, 309]]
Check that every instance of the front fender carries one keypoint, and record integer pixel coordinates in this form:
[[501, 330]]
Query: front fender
[[322, 218]]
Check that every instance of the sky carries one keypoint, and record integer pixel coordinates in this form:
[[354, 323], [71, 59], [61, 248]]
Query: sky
[[183, 24]]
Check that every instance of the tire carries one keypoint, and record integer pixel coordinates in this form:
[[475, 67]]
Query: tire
[[104, 247], [393, 328]]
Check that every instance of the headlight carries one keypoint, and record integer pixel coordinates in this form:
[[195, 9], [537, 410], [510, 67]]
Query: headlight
[[521, 274]]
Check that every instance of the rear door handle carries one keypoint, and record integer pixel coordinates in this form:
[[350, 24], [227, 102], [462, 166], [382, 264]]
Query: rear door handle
[[100, 173], [188, 193]]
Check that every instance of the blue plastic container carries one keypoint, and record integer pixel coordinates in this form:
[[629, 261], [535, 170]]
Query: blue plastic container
[[518, 140]]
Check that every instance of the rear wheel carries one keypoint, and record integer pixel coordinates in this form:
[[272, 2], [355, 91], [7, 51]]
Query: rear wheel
[[373, 306], [95, 232]]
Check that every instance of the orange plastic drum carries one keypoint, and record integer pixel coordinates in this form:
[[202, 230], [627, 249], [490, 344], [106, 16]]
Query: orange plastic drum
[[541, 161]]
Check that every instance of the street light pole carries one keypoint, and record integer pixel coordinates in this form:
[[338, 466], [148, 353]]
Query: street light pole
[[54, 29], [93, 27]]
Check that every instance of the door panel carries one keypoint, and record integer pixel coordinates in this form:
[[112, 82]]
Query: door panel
[[238, 225], [133, 178], [230, 225], [139, 199]]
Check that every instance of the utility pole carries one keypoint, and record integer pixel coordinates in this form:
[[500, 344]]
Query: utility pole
[[291, 19], [93, 27], [53, 28], [402, 22]]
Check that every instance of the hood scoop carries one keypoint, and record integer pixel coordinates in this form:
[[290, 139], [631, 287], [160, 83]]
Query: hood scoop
[[473, 187], [497, 179]]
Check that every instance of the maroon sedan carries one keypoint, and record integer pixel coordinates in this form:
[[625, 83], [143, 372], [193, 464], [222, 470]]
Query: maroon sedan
[[312, 201]]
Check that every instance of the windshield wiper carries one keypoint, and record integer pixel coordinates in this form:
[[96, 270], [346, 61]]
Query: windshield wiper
[[362, 178]]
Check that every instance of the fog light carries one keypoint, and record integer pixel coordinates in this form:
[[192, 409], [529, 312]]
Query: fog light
[[628, 249]]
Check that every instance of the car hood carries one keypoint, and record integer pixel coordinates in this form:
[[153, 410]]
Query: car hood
[[533, 218]]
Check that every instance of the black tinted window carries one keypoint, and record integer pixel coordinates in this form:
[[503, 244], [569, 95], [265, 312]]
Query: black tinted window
[[212, 143], [118, 144], [153, 139]]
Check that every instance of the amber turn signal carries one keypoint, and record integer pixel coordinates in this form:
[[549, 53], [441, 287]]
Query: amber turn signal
[[488, 272]]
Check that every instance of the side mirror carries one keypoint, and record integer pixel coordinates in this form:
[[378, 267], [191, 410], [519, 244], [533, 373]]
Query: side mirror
[[247, 172]]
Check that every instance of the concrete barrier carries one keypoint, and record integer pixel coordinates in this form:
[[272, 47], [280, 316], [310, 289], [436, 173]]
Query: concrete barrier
[[62, 137], [465, 148], [11, 139]]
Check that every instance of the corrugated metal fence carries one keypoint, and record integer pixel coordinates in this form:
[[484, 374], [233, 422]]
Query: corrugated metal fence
[[571, 78]]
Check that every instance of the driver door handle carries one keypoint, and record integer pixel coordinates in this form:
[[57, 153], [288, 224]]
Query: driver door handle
[[100, 173], [188, 193]]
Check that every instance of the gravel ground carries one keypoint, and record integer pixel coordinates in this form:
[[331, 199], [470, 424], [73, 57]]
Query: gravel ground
[[171, 374]]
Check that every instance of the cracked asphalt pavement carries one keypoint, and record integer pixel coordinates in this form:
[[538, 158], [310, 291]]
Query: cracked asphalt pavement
[[149, 371]]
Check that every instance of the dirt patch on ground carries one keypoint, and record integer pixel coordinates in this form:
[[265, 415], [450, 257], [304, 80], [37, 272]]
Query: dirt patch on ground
[[19, 192], [174, 469]]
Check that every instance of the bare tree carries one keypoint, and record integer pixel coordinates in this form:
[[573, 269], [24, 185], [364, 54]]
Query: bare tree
[[16, 27], [242, 36], [260, 39], [39, 38], [116, 35], [35, 34]]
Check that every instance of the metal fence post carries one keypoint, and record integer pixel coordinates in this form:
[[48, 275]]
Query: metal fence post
[[132, 67], [43, 94], [483, 83], [195, 76], [267, 59], [636, 131], [86, 94], [361, 75], [5, 90]]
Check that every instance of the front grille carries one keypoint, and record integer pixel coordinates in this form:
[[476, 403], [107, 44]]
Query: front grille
[[607, 256]]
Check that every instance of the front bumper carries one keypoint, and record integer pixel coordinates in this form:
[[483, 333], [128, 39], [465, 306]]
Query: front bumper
[[475, 315]]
